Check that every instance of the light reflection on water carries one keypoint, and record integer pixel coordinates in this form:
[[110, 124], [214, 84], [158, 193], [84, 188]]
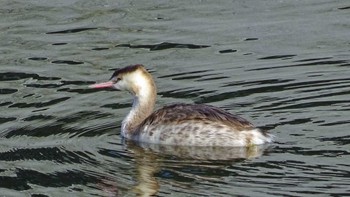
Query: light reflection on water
[[282, 65]]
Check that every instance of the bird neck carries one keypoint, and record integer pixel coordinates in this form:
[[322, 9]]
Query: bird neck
[[143, 105]]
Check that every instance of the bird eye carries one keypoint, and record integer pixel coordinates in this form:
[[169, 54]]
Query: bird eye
[[118, 79]]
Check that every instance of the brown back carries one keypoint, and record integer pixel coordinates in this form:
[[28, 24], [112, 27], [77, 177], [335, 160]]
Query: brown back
[[178, 113]]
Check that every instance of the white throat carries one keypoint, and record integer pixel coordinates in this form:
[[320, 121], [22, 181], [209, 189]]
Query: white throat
[[130, 117]]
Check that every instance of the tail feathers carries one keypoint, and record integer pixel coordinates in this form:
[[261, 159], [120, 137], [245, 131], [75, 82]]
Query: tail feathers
[[269, 138], [259, 137]]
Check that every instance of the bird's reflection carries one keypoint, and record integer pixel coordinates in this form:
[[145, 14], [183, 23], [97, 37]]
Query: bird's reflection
[[151, 159]]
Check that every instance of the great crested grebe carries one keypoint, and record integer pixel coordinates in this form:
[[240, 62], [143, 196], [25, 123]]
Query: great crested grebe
[[178, 124]]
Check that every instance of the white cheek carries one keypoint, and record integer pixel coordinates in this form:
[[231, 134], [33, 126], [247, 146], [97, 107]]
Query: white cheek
[[120, 85], [117, 86]]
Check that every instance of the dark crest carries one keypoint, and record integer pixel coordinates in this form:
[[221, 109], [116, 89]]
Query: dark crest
[[127, 69]]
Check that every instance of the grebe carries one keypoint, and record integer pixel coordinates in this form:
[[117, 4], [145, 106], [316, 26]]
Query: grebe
[[178, 124]]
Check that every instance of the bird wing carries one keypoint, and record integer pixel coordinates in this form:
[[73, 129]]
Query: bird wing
[[178, 113]]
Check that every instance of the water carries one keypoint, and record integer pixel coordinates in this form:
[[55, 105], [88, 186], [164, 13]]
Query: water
[[284, 65]]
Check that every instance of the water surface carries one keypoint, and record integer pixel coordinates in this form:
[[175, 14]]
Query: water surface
[[284, 65]]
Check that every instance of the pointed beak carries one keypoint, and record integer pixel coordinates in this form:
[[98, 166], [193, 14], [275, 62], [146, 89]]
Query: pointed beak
[[108, 84]]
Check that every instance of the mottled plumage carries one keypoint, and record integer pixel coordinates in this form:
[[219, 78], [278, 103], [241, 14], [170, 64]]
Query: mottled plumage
[[178, 124], [198, 112], [197, 125]]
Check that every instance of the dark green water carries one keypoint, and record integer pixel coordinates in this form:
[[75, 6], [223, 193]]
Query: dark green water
[[284, 65]]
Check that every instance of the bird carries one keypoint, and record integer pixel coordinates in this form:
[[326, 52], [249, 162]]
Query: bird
[[178, 124]]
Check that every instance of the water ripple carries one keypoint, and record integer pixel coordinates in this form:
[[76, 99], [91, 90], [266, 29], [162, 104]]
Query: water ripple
[[283, 65], [164, 46], [70, 62], [11, 76], [7, 91], [329, 62], [39, 104], [74, 30]]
